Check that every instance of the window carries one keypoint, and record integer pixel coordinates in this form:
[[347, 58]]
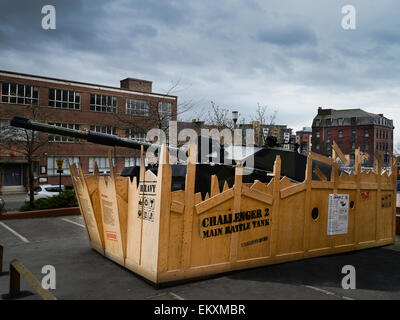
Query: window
[[353, 133], [353, 121], [136, 135], [328, 133], [104, 129], [317, 122], [57, 138], [137, 107], [340, 145], [340, 134], [328, 147], [102, 163], [328, 122], [103, 103], [131, 162], [52, 165], [317, 135], [19, 94], [165, 114], [340, 121], [165, 108], [353, 145], [7, 132], [366, 133], [317, 146], [366, 146], [65, 99]]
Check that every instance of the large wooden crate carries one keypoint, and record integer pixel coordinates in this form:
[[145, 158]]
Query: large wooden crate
[[167, 236]]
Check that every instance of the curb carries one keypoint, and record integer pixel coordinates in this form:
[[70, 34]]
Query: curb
[[41, 213]]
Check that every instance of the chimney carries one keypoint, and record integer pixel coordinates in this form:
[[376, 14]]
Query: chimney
[[325, 111], [137, 85], [198, 122]]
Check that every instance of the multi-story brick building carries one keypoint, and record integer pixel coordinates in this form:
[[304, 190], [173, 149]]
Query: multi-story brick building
[[127, 111], [350, 129]]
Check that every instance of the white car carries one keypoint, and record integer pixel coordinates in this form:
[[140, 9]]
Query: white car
[[45, 191]]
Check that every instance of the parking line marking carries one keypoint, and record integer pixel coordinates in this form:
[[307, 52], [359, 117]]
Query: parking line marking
[[329, 293], [73, 222], [176, 296], [14, 232]]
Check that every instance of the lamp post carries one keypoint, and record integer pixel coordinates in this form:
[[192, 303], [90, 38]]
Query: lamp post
[[235, 116]]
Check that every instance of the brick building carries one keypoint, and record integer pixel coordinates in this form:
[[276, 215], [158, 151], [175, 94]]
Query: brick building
[[303, 138], [282, 133], [128, 111], [350, 129]]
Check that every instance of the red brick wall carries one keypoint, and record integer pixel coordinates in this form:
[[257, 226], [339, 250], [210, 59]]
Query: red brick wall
[[347, 139]]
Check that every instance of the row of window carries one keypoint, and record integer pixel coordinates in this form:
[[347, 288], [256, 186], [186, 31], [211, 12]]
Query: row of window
[[353, 121], [129, 133], [57, 138], [19, 94], [68, 99], [340, 145], [340, 133], [383, 146], [102, 163], [65, 99], [383, 134]]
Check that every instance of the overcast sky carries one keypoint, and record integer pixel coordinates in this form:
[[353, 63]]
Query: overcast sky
[[290, 55]]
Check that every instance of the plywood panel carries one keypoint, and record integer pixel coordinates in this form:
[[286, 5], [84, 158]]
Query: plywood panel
[[366, 223], [113, 242], [86, 208], [318, 227], [349, 237], [254, 241], [148, 214], [291, 224], [175, 234]]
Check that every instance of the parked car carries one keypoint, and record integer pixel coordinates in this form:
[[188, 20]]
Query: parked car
[[45, 191]]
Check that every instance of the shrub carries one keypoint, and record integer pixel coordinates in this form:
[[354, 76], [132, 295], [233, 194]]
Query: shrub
[[65, 199]]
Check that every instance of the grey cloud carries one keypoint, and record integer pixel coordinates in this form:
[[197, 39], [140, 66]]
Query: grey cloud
[[289, 35], [236, 53]]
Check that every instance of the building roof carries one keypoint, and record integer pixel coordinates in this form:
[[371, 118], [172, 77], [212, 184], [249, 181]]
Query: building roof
[[349, 117], [81, 84]]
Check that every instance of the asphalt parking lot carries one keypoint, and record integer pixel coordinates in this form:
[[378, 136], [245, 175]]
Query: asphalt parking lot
[[82, 273]]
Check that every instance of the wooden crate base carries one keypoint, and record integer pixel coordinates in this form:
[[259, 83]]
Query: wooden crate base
[[166, 236]]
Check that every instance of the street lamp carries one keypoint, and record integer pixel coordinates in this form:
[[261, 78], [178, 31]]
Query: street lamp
[[235, 116]]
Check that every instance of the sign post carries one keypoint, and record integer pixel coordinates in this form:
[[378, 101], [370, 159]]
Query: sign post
[[60, 171]]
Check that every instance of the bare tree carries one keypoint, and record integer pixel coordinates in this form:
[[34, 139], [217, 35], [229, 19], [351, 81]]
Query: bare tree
[[262, 116], [24, 142], [219, 117]]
